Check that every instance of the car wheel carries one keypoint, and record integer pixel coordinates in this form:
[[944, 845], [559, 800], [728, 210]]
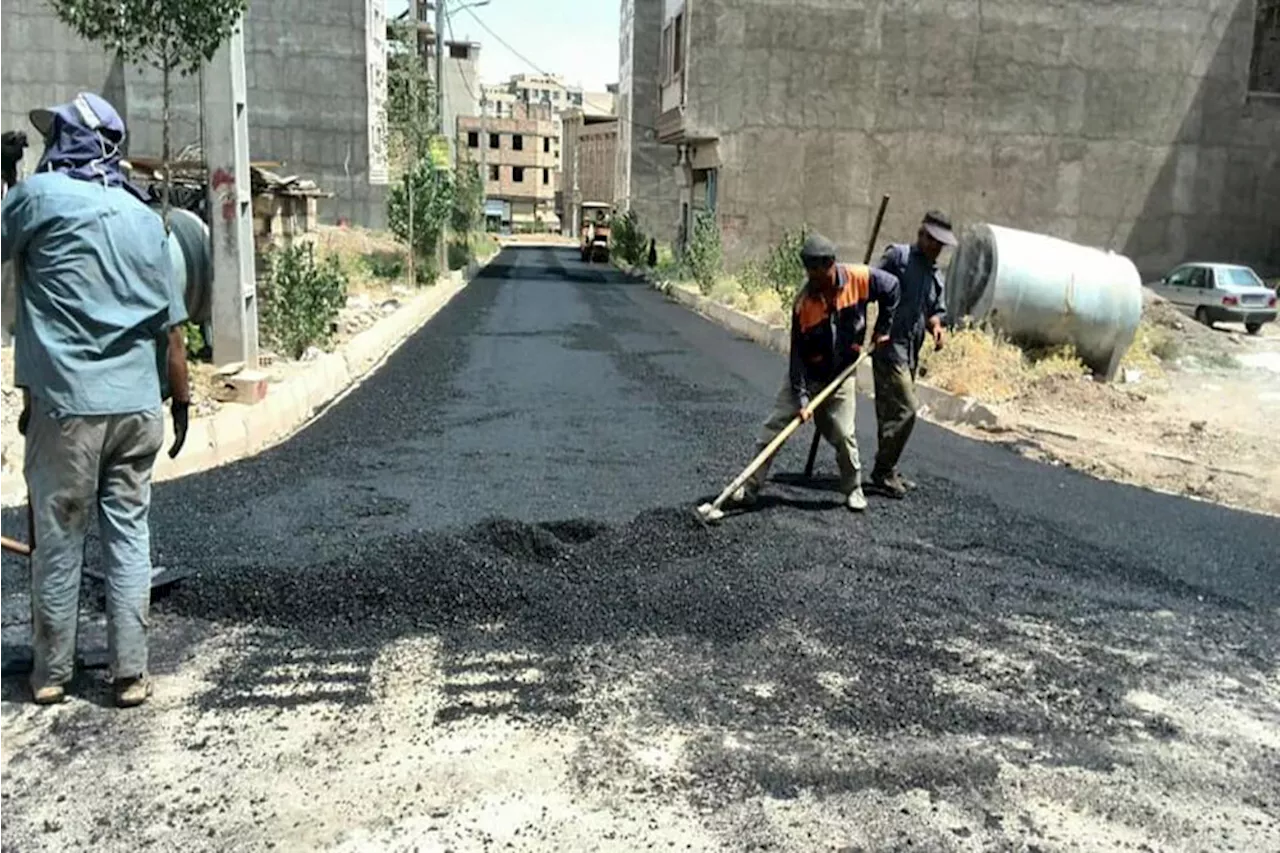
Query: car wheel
[[1253, 328], [1202, 316]]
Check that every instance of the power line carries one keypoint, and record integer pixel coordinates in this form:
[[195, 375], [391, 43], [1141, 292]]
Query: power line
[[527, 61]]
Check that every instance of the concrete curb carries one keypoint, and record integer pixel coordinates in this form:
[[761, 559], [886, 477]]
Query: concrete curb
[[935, 403], [238, 431]]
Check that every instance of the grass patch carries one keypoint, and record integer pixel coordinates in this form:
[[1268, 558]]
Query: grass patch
[[1154, 346], [976, 363]]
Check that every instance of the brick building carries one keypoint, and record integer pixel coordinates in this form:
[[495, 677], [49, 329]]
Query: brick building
[[518, 156], [1149, 128], [589, 157]]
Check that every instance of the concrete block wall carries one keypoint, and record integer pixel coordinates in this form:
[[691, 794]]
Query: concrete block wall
[[1118, 123], [305, 67], [644, 179]]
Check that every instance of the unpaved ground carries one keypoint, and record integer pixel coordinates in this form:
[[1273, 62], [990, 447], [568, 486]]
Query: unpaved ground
[[1204, 425], [469, 609]]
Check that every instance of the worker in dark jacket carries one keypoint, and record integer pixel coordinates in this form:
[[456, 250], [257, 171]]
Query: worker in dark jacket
[[828, 326], [920, 312]]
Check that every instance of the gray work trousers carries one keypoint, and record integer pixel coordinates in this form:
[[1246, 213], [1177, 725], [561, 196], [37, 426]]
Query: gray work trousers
[[835, 420], [75, 465]]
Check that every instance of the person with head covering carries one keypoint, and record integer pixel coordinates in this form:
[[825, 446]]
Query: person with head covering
[[828, 326], [98, 308], [920, 312]]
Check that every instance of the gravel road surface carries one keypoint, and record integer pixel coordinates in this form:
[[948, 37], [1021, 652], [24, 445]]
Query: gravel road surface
[[469, 609]]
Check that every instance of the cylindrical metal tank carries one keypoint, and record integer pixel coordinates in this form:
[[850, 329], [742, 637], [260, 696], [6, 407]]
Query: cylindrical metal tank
[[190, 254], [1041, 290]]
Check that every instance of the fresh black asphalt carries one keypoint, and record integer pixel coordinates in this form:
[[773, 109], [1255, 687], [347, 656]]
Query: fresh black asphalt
[[532, 457]]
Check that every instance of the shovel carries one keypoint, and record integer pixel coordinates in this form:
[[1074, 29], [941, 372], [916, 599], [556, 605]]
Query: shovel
[[711, 512]]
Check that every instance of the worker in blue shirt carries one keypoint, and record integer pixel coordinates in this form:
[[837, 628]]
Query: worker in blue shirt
[[98, 308], [921, 309]]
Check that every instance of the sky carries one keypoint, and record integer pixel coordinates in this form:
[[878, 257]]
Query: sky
[[577, 39]]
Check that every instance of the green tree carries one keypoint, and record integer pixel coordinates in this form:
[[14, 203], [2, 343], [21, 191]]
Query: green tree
[[418, 208], [172, 36], [411, 123]]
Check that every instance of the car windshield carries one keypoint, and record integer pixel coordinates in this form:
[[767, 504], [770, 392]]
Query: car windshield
[[1239, 276]]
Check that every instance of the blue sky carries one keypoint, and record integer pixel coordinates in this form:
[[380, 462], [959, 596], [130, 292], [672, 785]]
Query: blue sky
[[577, 39]]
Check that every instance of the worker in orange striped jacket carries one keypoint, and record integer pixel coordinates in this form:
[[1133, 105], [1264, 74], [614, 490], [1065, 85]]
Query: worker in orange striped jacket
[[828, 326]]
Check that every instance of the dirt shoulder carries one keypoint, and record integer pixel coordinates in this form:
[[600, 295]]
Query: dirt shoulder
[[1194, 411]]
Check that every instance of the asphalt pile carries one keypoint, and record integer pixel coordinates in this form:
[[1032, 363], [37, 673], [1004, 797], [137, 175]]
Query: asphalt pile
[[897, 612]]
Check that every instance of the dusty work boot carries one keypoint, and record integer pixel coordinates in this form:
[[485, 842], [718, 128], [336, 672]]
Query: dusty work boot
[[856, 501], [131, 692], [890, 485], [48, 694]]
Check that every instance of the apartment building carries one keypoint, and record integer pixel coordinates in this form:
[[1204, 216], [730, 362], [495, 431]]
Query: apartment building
[[518, 155], [461, 89], [644, 177], [1149, 129]]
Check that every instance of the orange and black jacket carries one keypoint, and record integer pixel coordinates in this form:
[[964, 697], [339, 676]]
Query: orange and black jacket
[[827, 330]]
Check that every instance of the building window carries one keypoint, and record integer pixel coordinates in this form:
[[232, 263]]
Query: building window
[[459, 51], [677, 45], [1264, 68], [546, 145], [493, 140], [517, 142], [546, 176], [517, 174], [473, 139], [494, 175]]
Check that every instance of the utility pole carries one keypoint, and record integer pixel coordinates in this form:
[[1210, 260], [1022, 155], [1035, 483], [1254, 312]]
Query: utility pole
[[484, 168], [442, 260], [226, 151]]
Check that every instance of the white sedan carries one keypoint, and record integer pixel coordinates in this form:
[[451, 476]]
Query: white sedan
[[1220, 293]]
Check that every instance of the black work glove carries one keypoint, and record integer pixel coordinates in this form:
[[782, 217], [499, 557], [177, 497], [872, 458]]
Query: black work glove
[[12, 144], [181, 413]]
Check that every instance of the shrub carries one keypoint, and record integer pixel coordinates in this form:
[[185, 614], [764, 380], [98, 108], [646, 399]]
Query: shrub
[[300, 299], [704, 256], [385, 265], [630, 245], [459, 254], [194, 340], [782, 268]]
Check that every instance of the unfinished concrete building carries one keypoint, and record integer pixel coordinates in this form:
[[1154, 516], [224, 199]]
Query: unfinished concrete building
[[1151, 128], [590, 143], [644, 178], [518, 157], [316, 74]]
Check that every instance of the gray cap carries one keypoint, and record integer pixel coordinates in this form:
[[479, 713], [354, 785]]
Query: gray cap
[[817, 246]]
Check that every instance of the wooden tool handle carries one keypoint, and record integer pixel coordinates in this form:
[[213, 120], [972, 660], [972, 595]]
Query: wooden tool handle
[[781, 438], [13, 546]]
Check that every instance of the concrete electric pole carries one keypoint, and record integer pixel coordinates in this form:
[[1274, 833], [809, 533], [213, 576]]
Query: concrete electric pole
[[226, 152], [442, 263]]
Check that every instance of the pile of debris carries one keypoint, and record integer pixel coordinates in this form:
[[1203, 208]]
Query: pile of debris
[[190, 174]]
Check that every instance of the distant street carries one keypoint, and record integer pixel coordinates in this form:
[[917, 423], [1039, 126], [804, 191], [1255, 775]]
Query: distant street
[[469, 608]]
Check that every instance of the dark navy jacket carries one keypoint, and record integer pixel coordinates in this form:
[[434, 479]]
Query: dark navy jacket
[[920, 284], [827, 335]]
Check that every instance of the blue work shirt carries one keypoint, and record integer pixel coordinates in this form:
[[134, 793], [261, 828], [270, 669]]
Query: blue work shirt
[[96, 295], [921, 298]]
